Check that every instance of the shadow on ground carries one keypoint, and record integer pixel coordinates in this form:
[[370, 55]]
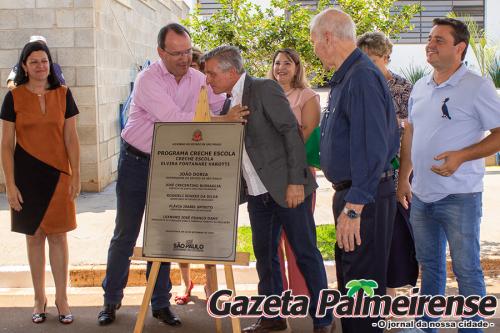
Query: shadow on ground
[[194, 320]]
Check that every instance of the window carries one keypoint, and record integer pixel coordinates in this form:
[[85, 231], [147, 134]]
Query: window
[[208, 7], [437, 8]]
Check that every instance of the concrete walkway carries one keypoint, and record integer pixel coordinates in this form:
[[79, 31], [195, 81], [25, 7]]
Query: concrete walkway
[[88, 249], [16, 306], [96, 219], [89, 242], [96, 214]]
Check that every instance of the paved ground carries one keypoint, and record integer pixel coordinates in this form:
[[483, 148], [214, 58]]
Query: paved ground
[[88, 245], [96, 214], [95, 217], [86, 304]]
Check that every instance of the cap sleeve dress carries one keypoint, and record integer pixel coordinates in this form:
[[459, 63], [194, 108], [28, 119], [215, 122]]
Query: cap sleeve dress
[[42, 171]]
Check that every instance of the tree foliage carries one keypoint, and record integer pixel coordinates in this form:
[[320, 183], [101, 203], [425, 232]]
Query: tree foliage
[[260, 32]]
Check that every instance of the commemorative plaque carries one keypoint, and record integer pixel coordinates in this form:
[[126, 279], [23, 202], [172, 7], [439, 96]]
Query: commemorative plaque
[[193, 191]]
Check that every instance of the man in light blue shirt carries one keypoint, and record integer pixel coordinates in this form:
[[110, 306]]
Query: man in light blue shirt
[[449, 112]]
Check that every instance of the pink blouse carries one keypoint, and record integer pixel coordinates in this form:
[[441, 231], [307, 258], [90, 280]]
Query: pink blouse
[[298, 97]]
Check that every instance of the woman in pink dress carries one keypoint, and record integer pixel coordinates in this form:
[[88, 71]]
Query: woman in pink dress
[[289, 72]]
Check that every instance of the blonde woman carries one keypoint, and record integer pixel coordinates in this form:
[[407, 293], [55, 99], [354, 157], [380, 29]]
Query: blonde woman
[[289, 72]]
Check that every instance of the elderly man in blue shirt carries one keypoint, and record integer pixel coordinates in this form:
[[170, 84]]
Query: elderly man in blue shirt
[[359, 138], [449, 112]]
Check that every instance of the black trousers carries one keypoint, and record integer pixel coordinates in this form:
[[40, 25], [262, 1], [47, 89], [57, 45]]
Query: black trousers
[[403, 266], [369, 260], [298, 224]]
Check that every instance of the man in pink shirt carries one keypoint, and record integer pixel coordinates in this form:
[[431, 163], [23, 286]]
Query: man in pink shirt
[[167, 91]]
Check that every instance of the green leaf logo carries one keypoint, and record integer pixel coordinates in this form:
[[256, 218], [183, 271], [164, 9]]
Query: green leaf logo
[[368, 287]]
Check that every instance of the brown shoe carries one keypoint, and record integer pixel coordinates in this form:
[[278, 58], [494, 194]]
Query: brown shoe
[[264, 325]]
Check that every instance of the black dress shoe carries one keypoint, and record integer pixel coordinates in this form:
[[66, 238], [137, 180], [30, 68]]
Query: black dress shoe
[[108, 314], [167, 316]]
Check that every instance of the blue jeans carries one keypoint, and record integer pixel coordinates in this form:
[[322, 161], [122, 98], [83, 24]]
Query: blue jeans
[[131, 190], [298, 224], [455, 219]]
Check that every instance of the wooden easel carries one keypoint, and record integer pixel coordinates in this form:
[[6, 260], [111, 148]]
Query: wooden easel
[[242, 259]]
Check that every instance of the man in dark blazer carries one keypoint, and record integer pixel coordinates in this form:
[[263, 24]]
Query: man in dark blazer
[[277, 182]]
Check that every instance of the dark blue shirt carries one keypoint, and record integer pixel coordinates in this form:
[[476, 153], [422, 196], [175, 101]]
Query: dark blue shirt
[[359, 133]]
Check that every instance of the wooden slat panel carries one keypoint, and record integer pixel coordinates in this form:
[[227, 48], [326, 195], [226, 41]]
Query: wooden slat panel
[[439, 8]]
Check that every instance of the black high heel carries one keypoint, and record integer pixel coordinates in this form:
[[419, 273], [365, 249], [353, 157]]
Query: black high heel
[[64, 319], [39, 318]]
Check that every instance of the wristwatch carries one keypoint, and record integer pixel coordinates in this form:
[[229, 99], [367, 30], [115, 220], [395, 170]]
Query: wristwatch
[[351, 213]]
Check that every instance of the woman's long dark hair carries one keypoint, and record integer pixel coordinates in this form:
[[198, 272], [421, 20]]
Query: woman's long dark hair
[[22, 77]]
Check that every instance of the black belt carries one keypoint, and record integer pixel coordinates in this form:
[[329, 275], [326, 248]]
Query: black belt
[[340, 186], [343, 185], [134, 151]]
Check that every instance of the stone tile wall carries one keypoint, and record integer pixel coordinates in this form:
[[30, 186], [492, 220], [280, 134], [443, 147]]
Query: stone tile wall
[[126, 32], [100, 45]]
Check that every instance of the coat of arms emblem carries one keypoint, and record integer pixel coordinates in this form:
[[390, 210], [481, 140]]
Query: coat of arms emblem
[[197, 136]]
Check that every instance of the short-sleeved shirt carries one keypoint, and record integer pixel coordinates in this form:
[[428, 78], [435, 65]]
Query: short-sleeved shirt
[[449, 117], [158, 97], [400, 89], [298, 97], [359, 134]]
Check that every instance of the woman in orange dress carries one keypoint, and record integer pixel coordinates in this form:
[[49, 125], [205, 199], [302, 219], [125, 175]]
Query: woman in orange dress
[[41, 163], [289, 72]]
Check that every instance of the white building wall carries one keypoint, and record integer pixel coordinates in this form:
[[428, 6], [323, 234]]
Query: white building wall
[[98, 44], [126, 32], [492, 20], [404, 55]]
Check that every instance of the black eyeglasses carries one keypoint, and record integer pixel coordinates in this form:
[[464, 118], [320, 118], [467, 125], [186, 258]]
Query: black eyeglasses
[[179, 54]]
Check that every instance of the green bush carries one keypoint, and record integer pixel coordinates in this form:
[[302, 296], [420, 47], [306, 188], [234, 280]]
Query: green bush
[[244, 243], [325, 235], [413, 73], [494, 71]]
